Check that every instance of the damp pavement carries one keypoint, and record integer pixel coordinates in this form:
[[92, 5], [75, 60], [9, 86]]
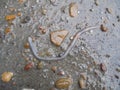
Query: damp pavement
[[95, 57]]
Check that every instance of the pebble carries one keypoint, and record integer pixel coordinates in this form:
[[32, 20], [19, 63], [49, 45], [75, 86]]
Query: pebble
[[7, 76], [57, 37], [40, 65], [103, 67], [61, 72], [54, 68], [10, 17], [28, 66], [82, 83], [96, 2], [118, 69], [26, 19], [63, 83], [44, 11], [26, 45], [109, 10], [103, 28], [73, 9]]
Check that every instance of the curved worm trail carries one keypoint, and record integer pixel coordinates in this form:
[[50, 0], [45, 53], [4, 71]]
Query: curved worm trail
[[70, 46]]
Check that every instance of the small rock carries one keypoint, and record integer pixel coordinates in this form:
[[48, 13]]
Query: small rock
[[96, 2], [40, 65], [10, 17], [116, 76], [28, 66], [118, 69], [61, 72], [7, 30], [54, 68], [44, 11], [57, 37], [109, 10], [6, 76], [82, 83], [26, 19], [26, 45], [103, 28], [103, 67], [73, 9], [63, 83], [83, 75]]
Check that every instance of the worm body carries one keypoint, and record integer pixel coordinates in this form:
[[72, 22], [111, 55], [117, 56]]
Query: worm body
[[70, 46]]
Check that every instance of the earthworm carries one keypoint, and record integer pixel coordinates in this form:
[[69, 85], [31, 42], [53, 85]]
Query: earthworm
[[70, 46]]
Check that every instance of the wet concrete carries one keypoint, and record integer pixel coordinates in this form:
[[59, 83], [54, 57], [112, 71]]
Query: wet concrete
[[92, 48]]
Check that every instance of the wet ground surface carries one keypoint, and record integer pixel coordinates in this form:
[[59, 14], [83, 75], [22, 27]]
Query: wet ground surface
[[92, 51]]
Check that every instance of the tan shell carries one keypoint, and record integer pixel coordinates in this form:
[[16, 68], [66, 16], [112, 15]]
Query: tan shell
[[73, 9], [6, 76], [63, 83]]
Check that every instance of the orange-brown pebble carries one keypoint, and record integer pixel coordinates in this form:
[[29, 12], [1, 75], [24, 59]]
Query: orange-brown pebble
[[26, 45], [7, 30], [10, 17]]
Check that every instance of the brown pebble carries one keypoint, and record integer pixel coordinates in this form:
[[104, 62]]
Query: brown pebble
[[10, 17], [73, 9], [57, 37], [103, 67], [7, 30], [103, 28], [54, 68], [82, 83], [26, 45]]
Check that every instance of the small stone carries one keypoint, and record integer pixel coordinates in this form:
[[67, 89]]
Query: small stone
[[26, 19], [91, 10], [82, 83], [103, 28], [26, 45], [109, 10], [116, 76], [57, 37], [44, 11], [118, 69], [103, 67], [96, 2], [83, 75], [10, 17], [7, 30], [73, 9], [63, 83], [40, 65], [71, 38], [19, 14], [61, 72], [52, 1], [28, 66], [12, 9], [54, 68], [6, 76]]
